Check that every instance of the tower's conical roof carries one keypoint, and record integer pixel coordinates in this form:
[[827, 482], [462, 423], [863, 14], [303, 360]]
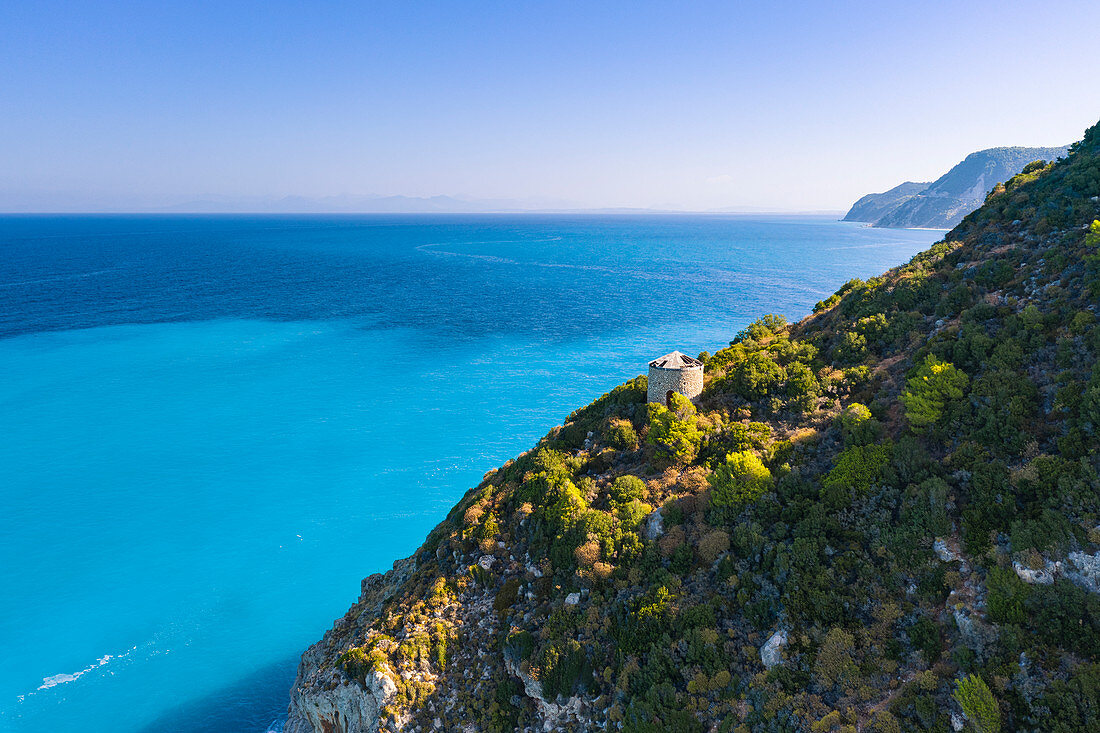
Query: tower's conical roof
[[675, 360]]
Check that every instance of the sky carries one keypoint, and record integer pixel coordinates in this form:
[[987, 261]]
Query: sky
[[109, 106]]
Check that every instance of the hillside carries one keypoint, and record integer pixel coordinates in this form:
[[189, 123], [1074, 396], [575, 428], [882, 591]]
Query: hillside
[[875, 206], [944, 202], [885, 517]]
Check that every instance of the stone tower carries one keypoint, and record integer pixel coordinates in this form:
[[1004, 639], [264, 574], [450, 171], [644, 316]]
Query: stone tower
[[674, 372]]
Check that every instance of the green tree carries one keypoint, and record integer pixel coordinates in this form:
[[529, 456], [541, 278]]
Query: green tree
[[857, 470], [978, 704], [677, 439], [757, 376], [740, 479], [624, 489], [930, 389], [1006, 597], [834, 663], [857, 426]]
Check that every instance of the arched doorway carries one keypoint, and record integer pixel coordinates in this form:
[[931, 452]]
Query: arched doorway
[[668, 397]]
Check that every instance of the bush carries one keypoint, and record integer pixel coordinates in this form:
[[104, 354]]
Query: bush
[[506, 596], [622, 436], [713, 544], [857, 426], [1007, 594], [852, 348], [677, 440], [978, 704], [626, 489], [857, 470], [929, 390], [742, 478], [834, 663], [756, 377], [631, 513], [562, 668]]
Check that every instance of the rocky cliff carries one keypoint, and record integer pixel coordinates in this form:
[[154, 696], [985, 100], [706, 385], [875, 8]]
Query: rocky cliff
[[875, 206], [885, 517], [943, 203]]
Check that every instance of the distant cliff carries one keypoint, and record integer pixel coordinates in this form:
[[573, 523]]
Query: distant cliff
[[943, 203], [875, 206]]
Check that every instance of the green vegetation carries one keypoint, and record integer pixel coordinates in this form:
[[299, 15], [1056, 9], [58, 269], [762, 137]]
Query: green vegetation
[[978, 704], [673, 431], [930, 390], [742, 478], [873, 480]]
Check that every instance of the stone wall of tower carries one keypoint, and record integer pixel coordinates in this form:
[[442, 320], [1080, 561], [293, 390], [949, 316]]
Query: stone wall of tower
[[687, 381]]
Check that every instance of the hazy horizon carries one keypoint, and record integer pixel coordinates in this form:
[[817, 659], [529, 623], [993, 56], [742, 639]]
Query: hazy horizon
[[713, 107]]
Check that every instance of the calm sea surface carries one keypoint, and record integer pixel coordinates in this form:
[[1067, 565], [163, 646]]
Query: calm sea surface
[[213, 427]]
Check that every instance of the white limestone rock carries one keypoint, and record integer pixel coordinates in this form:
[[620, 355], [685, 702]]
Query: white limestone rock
[[771, 653], [1043, 576], [943, 552], [654, 525], [323, 699], [1084, 570], [572, 599]]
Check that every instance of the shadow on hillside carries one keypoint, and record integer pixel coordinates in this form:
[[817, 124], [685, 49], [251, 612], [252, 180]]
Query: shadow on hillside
[[254, 704]]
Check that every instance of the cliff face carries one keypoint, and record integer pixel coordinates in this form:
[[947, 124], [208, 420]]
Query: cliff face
[[874, 206], [324, 698], [943, 203], [885, 517]]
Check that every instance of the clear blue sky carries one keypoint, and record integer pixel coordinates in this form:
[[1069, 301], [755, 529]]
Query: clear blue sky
[[695, 105]]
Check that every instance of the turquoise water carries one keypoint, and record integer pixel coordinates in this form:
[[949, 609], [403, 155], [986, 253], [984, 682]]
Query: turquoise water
[[216, 426]]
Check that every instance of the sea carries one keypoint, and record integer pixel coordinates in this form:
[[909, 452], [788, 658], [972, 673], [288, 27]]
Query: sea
[[213, 427]]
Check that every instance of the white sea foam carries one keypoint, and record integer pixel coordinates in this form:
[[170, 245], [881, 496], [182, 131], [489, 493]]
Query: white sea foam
[[65, 678]]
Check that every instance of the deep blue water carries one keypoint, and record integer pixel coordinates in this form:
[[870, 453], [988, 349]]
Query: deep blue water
[[213, 427]]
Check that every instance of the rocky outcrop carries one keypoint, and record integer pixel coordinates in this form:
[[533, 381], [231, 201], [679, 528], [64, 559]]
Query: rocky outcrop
[[1079, 568], [324, 699], [771, 654]]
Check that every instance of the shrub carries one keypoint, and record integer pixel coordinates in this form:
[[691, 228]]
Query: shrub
[[978, 704], [562, 668], [588, 554], [519, 644], [621, 435], [857, 469], [857, 426], [767, 325], [928, 391], [677, 440], [834, 663], [756, 377], [632, 513], [506, 596], [851, 348], [626, 489], [713, 544], [742, 478], [1007, 594], [803, 388]]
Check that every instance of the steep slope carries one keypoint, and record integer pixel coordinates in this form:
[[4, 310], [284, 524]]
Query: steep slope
[[963, 188], [943, 203], [885, 517], [875, 206]]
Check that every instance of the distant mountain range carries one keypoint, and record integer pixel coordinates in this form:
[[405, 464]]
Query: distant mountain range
[[943, 203]]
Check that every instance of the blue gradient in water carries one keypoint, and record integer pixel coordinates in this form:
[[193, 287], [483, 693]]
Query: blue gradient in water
[[215, 426]]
